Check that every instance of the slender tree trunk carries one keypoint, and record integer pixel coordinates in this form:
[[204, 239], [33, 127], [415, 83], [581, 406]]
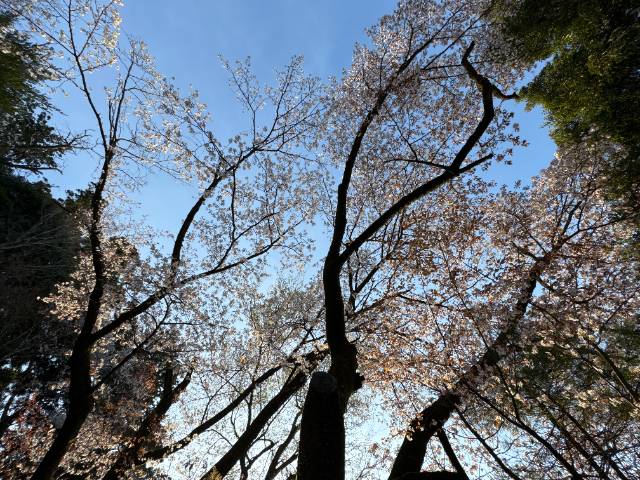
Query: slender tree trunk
[[488, 448], [518, 422], [277, 464], [80, 405], [245, 441], [80, 394], [455, 463], [572, 441], [344, 364], [589, 437]]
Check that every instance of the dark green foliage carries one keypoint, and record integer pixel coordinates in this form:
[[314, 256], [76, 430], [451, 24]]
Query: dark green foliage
[[28, 142], [39, 239], [22, 66], [590, 86]]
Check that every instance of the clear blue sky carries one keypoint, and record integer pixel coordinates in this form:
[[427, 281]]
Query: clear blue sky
[[186, 38]]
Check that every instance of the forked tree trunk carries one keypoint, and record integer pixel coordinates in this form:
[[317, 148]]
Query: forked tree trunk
[[414, 446], [328, 425]]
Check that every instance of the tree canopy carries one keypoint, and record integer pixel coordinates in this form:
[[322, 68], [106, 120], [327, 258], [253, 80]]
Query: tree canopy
[[589, 83], [452, 329]]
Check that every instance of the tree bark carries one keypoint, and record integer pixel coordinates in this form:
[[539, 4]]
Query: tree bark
[[414, 446], [322, 431], [80, 394], [80, 405]]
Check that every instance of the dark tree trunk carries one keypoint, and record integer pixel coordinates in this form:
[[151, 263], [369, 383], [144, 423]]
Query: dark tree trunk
[[319, 450], [411, 454], [80, 405], [80, 394], [414, 446], [322, 431]]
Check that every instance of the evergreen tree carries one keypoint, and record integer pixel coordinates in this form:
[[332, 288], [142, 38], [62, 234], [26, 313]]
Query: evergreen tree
[[589, 86]]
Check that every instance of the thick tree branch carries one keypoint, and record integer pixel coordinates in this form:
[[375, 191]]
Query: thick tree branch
[[164, 452], [431, 419]]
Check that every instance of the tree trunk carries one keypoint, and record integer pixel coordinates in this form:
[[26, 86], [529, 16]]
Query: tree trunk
[[414, 446], [322, 431], [80, 405]]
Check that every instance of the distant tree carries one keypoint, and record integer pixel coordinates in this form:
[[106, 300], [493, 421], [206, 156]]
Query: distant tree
[[39, 242], [28, 144], [38, 235], [590, 84]]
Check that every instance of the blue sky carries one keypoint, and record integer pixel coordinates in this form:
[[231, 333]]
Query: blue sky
[[186, 39]]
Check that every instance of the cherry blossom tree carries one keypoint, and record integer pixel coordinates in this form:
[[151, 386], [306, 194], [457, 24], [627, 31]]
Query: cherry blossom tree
[[502, 322], [405, 121], [253, 193], [556, 255]]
